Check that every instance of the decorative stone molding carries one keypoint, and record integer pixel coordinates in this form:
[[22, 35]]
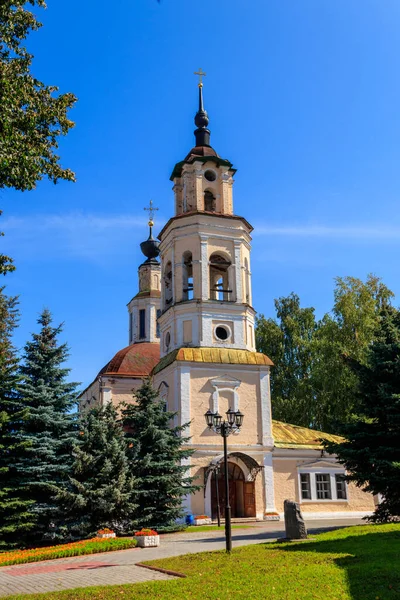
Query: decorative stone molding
[[225, 384]]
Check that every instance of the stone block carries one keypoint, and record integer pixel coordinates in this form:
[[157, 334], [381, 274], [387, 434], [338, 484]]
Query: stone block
[[294, 522]]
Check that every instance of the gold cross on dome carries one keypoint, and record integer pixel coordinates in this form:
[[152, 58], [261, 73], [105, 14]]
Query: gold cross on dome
[[201, 74], [151, 210]]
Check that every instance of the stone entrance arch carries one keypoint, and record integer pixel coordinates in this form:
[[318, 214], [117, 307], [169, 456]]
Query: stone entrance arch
[[242, 471]]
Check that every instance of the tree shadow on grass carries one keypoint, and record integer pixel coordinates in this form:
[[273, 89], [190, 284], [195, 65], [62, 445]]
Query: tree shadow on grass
[[371, 562]]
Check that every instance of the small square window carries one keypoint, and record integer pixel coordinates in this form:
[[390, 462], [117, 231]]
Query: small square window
[[323, 485], [305, 486], [341, 491]]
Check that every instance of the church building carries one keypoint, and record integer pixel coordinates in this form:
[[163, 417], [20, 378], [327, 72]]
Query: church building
[[191, 328]]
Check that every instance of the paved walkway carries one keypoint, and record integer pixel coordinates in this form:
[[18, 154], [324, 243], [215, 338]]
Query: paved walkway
[[111, 568]]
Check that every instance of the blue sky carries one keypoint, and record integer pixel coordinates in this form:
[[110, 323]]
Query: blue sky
[[303, 97]]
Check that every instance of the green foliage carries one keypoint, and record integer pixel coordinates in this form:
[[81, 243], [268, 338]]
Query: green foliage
[[6, 263], [15, 516], [289, 344], [101, 487], [158, 454], [371, 452], [311, 383], [50, 425], [32, 115]]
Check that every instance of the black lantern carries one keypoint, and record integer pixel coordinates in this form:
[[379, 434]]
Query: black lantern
[[230, 415], [217, 420], [239, 419], [209, 417]]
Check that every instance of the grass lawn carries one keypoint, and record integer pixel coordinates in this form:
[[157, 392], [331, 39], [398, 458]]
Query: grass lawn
[[356, 563]]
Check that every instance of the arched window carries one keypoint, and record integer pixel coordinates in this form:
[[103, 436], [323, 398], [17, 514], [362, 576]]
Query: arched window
[[209, 201], [187, 276], [163, 390], [219, 280], [168, 283]]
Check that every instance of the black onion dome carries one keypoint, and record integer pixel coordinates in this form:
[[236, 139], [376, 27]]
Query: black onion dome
[[151, 247], [201, 118]]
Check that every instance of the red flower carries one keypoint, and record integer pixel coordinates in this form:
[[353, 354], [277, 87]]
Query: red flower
[[146, 532]]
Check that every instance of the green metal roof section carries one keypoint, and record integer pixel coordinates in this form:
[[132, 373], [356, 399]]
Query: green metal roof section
[[293, 436]]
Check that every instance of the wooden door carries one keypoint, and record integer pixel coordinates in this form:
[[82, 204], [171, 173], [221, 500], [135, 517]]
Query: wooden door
[[236, 492], [249, 499]]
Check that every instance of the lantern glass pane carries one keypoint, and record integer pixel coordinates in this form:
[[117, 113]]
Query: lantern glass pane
[[217, 420], [239, 418], [230, 414], [209, 417]]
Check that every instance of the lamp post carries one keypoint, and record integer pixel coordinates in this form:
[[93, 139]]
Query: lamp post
[[234, 421], [216, 474]]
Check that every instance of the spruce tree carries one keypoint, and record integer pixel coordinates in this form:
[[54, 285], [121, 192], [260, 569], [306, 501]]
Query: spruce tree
[[157, 451], [371, 452], [15, 516], [101, 489], [50, 427]]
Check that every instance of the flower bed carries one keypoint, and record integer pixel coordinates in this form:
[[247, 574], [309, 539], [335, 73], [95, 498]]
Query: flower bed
[[106, 533], [202, 520], [93, 546], [147, 538], [271, 516]]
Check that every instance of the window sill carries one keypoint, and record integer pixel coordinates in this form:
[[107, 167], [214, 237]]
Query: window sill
[[330, 501]]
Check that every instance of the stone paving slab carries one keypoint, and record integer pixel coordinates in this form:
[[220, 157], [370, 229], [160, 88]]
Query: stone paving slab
[[63, 574], [114, 568]]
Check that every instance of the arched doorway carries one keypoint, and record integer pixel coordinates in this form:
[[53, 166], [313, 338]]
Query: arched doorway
[[241, 492]]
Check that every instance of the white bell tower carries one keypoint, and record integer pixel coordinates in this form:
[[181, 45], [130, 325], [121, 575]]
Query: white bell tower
[[205, 255], [208, 355]]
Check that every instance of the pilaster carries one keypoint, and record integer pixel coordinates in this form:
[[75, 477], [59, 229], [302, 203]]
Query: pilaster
[[266, 414], [269, 492], [205, 285], [199, 188], [238, 271], [184, 398], [187, 500]]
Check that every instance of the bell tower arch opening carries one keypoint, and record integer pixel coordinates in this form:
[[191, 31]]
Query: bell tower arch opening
[[167, 278], [219, 277], [209, 201], [187, 276]]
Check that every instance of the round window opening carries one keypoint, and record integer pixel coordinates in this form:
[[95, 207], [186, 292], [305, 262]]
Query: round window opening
[[210, 175], [168, 339], [221, 333]]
